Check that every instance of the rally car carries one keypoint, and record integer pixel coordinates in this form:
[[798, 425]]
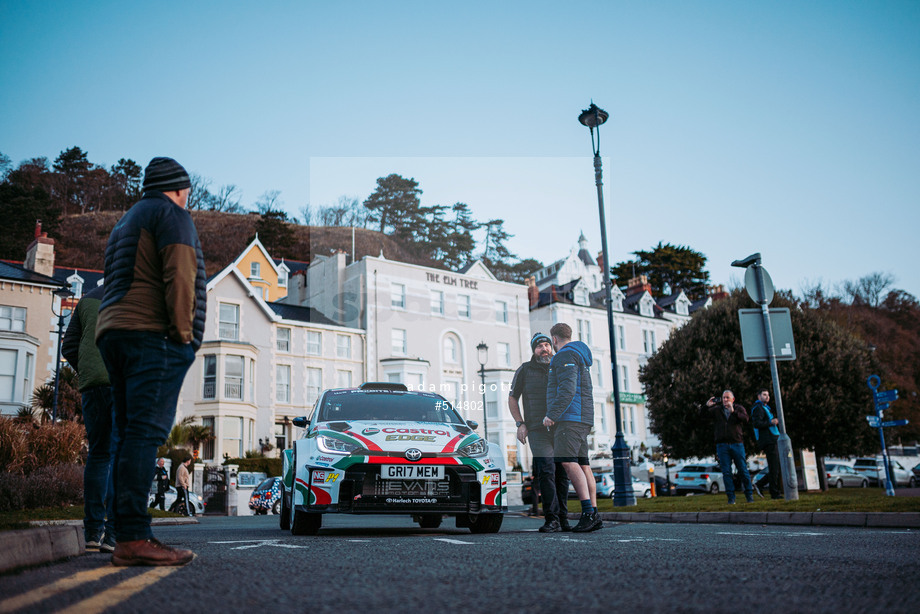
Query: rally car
[[381, 449]]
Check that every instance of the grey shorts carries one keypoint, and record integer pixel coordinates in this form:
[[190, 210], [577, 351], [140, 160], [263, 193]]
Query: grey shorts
[[570, 443], [541, 441]]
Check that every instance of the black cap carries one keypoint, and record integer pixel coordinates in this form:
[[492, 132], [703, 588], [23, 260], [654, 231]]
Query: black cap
[[537, 339], [165, 175]]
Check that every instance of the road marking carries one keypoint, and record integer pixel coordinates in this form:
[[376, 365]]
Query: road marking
[[120, 592], [55, 588], [648, 539], [774, 534], [453, 541], [258, 543]]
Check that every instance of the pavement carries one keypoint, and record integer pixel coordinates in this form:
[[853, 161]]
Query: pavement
[[54, 540]]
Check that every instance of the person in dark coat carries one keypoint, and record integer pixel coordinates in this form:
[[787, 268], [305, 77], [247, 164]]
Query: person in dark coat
[[729, 418], [766, 433], [162, 479]]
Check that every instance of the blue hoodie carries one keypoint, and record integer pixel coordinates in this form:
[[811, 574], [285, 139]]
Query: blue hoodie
[[569, 392]]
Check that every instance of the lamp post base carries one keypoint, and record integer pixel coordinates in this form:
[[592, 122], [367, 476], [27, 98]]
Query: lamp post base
[[787, 465], [623, 494]]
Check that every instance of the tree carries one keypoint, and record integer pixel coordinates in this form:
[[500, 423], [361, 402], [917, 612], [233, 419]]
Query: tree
[[275, 233], [524, 269], [127, 176], [460, 244], [825, 397], [669, 268], [869, 289], [72, 165], [20, 208], [6, 165], [495, 254], [269, 201], [394, 203]]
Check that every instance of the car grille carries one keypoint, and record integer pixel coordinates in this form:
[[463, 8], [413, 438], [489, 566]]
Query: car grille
[[363, 488]]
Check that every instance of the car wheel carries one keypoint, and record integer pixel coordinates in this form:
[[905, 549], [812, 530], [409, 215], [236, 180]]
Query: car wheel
[[306, 523], [839, 484], [714, 489], [276, 508], [865, 484], [913, 482], [486, 523], [429, 521], [285, 520], [647, 494]]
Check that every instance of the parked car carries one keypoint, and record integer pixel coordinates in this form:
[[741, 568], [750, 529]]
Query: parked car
[[266, 497], [874, 470], [915, 476], [605, 486], [699, 478], [173, 505], [382, 449], [840, 475]]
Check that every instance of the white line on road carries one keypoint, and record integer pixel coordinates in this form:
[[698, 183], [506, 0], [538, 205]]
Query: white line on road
[[778, 533], [258, 543], [453, 541]]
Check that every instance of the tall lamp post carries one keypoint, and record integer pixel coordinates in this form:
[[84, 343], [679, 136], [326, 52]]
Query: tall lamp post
[[63, 294], [623, 494], [482, 351]]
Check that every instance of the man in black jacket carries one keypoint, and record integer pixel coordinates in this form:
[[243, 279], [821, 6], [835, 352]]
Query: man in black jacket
[[729, 418], [530, 382], [766, 432]]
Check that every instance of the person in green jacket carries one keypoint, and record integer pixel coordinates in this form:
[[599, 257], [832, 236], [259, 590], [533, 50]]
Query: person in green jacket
[[79, 348]]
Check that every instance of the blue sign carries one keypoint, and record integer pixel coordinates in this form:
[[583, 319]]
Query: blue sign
[[880, 407], [886, 396], [873, 421], [894, 423]]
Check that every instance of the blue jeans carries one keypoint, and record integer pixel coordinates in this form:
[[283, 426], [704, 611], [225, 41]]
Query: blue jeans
[[146, 370], [98, 517], [728, 452]]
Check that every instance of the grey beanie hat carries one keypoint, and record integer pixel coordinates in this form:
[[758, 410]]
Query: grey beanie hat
[[537, 339], [165, 175]]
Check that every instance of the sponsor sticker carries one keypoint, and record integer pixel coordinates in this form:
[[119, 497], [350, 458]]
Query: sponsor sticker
[[324, 477], [371, 430], [410, 438]]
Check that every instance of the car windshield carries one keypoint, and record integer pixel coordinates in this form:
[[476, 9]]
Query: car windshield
[[265, 485], [386, 405], [692, 469], [865, 462]]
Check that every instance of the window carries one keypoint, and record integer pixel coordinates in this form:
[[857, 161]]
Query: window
[[581, 296], [207, 446], [501, 312], [314, 343], [601, 416], [399, 345], [450, 350], [283, 341], [621, 337], [7, 374], [209, 388], [343, 346], [76, 286], [398, 296], [437, 302], [624, 378], [252, 381], [504, 354], [584, 331], [283, 383], [282, 277], [255, 270], [232, 436], [394, 378], [343, 379], [463, 306], [12, 318], [314, 384], [648, 341], [233, 378], [598, 373], [632, 420], [228, 327], [27, 378]]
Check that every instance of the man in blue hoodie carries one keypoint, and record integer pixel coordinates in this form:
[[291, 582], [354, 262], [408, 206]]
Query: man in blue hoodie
[[570, 407], [766, 433]]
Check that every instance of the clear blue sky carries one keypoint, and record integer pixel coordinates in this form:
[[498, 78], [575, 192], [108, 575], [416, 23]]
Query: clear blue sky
[[789, 128]]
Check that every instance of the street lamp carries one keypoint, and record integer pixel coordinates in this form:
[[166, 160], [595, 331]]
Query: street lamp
[[483, 353], [623, 494], [63, 294]]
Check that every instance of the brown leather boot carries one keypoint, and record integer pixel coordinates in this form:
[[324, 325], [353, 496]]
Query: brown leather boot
[[150, 553]]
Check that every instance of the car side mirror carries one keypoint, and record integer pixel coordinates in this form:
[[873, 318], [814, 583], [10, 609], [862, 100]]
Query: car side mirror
[[473, 424], [301, 421]]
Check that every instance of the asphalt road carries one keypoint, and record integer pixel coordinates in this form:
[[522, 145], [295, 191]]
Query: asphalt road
[[387, 564]]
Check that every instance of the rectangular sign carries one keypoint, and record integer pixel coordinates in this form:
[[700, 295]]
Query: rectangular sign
[[894, 423], [886, 396], [753, 340], [412, 472], [873, 421]]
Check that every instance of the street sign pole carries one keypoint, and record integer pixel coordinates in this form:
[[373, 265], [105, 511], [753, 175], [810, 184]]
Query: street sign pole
[[882, 401], [783, 443]]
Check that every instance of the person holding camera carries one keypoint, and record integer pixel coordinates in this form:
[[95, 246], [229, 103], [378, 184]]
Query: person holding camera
[[729, 420]]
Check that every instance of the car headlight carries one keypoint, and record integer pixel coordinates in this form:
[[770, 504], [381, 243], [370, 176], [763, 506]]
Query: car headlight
[[477, 448], [332, 445]]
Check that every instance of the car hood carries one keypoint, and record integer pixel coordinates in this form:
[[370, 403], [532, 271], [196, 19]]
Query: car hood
[[399, 436]]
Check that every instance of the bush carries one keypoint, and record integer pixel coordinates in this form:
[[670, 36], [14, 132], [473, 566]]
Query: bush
[[268, 466], [52, 486], [14, 447]]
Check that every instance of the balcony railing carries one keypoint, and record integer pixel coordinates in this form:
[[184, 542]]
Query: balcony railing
[[233, 388]]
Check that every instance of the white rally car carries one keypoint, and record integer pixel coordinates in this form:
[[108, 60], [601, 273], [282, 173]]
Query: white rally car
[[381, 449]]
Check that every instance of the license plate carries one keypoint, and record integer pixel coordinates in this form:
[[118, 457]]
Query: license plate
[[412, 472], [690, 479]]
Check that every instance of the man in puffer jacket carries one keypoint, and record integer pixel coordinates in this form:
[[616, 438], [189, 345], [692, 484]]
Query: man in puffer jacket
[[570, 406]]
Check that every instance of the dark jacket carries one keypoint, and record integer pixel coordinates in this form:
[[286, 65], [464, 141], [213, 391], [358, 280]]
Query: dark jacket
[[765, 432], [569, 391], [530, 381], [79, 343], [154, 273], [162, 478], [727, 430]]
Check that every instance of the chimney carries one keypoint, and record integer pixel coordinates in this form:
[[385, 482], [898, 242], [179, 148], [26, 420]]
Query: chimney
[[40, 255], [533, 294], [600, 259], [717, 292], [637, 285]]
